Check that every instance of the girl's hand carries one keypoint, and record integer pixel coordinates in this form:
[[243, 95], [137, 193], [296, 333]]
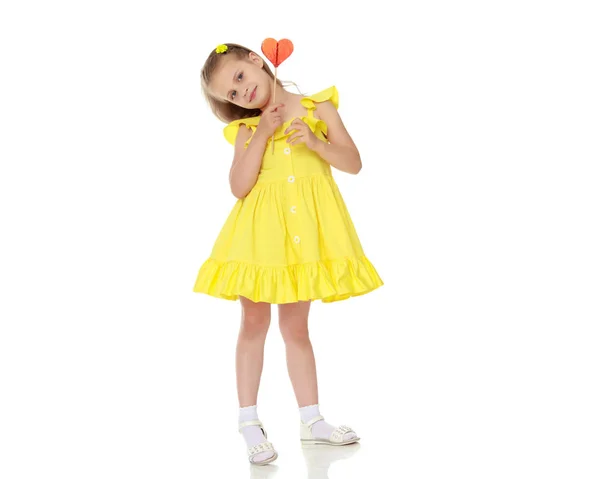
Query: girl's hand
[[270, 120], [303, 134]]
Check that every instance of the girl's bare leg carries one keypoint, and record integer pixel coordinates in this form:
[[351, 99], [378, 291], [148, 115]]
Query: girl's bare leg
[[256, 318], [293, 324]]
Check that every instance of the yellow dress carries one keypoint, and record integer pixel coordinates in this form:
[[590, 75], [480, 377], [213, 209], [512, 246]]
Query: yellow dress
[[291, 238]]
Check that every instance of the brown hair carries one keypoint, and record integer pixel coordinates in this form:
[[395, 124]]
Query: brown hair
[[225, 110]]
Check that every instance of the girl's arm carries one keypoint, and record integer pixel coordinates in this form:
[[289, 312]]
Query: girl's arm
[[246, 161], [340, 152]]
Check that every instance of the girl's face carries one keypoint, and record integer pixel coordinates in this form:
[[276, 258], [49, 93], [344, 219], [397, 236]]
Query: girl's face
[[242, 82]]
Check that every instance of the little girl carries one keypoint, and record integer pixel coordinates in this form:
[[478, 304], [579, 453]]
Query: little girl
[[289, 238]]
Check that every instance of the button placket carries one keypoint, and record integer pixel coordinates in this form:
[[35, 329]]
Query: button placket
[[288, 152], [293, 197]]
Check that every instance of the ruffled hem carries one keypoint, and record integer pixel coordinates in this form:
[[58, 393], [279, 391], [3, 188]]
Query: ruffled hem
[[327, 281]]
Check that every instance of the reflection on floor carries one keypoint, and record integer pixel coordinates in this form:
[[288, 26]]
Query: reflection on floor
[[318, 459]]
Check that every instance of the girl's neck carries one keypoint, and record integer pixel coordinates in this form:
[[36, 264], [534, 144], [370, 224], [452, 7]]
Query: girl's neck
[[281, 96]]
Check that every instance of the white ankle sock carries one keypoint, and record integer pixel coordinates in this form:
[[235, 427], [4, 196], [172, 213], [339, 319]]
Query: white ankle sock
[[320, 429], [253, 434]]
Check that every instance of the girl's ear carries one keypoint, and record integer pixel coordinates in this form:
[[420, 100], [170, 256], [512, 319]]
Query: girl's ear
[[254, 58]]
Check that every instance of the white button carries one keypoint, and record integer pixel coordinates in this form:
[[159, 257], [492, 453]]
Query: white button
[[296, 239], [287, 151], [293, 209], [291, 179]]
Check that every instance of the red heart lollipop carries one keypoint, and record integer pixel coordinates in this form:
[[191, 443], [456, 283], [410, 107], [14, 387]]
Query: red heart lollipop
[[277, 51]]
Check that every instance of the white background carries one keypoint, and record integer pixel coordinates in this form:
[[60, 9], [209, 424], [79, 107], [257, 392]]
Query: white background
[[478, 124]]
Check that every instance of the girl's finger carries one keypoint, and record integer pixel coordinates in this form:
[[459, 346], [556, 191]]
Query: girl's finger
[[299, 122], [298, 137], [295, 126], [273, 108]]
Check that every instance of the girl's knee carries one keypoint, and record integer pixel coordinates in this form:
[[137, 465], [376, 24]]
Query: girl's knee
[[293, 330], [256, 322], [256, 318], [293, 321], [294, 335]]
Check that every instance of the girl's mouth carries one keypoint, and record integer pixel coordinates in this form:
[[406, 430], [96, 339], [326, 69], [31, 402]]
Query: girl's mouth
[[253, 94]]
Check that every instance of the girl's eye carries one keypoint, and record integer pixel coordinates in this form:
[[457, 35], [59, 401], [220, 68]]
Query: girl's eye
[[239, 77]]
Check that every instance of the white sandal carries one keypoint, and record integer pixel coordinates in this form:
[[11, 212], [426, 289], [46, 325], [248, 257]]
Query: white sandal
[[335, 439], [262, 447]]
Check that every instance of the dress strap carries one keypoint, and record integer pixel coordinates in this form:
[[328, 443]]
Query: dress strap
[[330, 93], [231, 130]]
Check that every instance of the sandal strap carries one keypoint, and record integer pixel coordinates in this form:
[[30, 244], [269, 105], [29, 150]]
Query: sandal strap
[[262, 447], [313, 420], [338, 433], [254, 422]]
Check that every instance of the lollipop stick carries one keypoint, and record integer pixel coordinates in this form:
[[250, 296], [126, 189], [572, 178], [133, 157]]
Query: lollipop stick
[[273, 137]]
